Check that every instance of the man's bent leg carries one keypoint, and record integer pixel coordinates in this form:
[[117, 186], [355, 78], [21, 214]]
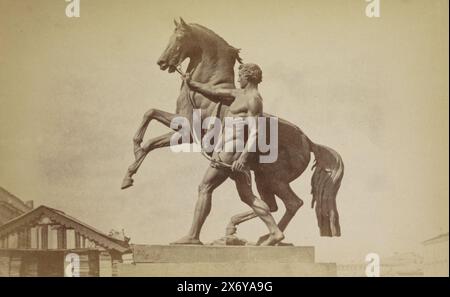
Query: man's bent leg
[[259, 207], [213, 178]]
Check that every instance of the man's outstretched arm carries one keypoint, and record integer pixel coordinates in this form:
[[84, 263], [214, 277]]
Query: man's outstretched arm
[[226, 96]]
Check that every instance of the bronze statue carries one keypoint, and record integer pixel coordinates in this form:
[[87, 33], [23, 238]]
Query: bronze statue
[[211, 76], [243, 103]]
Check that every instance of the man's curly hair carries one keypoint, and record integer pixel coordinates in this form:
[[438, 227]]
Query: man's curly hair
[[251, 71]]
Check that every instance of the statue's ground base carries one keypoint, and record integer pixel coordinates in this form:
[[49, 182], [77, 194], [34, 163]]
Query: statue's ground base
[[207, 260]]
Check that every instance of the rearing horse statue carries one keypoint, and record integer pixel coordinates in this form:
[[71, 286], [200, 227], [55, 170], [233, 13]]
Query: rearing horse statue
[[212, 61]]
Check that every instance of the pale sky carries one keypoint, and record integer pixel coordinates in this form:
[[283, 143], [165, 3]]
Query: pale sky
[[73, 92]]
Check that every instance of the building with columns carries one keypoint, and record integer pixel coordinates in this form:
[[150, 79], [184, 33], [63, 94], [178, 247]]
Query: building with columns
[[47, 242]]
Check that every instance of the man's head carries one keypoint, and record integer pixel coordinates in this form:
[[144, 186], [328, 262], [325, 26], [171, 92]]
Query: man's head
[[249, 72]]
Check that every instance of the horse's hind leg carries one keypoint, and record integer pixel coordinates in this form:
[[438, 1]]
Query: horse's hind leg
[[292, 203], [265, 194], [238, 219]]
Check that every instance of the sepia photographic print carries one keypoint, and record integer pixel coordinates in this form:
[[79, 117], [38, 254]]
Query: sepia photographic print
[[245, 138]]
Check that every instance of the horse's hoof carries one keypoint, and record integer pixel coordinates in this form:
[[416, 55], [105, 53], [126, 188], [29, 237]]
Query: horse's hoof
[[284, 244], [126, 183], [231, 230], [273, 239], [262, 239]]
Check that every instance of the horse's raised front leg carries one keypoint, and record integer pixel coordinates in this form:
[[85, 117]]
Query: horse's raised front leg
[[158, 142], [154, 143], [161, 116]]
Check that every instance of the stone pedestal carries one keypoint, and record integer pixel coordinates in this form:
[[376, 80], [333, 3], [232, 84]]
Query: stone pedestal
[[185, 260]]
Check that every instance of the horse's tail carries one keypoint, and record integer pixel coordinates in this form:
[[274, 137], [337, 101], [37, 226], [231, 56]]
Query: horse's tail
[[326, 180]]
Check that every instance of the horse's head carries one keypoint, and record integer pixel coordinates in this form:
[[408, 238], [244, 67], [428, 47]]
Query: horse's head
[[181, 45]]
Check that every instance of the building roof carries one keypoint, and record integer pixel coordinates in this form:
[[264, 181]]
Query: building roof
[[436, 239], [33, 217], [8, 198]]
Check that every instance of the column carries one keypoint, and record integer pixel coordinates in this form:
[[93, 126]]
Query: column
[[20, 238], [27, 237], [62, 238], [77, 240], [44, 237]]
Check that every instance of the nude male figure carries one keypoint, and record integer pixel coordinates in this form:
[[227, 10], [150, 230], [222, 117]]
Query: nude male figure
[[244, 102]]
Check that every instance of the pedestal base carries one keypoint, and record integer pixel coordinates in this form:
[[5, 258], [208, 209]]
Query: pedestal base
[[184, 260]]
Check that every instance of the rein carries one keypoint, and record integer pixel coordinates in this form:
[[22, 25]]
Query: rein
[[247, 174], [191, 100]]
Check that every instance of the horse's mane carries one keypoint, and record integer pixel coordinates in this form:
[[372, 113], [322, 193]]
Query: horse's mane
[[234, 51]]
